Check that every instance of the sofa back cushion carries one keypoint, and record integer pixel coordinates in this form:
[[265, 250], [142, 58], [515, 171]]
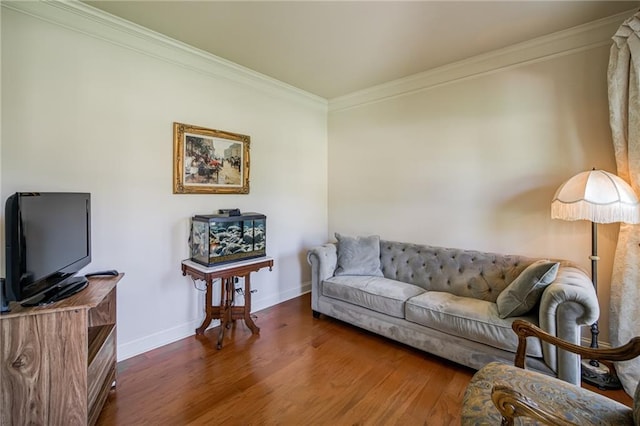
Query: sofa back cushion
[[465, 273]]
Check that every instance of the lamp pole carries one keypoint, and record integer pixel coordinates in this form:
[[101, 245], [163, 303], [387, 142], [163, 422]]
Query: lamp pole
[[594, 278], [592, 372]]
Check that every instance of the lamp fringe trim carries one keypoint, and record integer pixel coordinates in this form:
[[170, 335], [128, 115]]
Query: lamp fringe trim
[[598, 213]]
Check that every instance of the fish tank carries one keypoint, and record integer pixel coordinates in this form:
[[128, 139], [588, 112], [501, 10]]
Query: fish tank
[[223, 238]]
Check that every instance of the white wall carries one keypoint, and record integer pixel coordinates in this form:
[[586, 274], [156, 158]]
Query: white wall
[[465, 156], [473, 161], [94, 112]]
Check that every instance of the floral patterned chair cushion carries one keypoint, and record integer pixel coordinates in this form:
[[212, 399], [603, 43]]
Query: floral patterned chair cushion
[[636, 405], [575, 404]]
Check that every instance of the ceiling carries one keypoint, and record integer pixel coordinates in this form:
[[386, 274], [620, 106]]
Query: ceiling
[[333, 48]]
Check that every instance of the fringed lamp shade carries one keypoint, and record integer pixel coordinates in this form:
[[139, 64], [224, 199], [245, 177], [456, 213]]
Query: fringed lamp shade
[[598, 196]]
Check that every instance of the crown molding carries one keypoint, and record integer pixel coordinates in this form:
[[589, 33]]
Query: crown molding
[[583, 37], [85, 19], [96, 23]]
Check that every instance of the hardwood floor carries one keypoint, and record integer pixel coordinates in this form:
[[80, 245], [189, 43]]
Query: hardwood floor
[[299, 370]]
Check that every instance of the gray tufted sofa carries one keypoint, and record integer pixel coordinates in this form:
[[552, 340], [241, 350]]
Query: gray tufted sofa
[[442, 301]]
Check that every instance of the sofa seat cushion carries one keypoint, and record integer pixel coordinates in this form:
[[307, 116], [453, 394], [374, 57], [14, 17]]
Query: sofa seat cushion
[[376, 293], [468, 318]]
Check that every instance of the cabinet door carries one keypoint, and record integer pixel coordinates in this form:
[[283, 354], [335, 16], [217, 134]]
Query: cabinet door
[[43, 370]]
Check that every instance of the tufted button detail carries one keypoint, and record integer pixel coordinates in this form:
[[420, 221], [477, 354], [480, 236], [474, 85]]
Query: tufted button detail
[[448, 282], [468, 286], [441, 267]]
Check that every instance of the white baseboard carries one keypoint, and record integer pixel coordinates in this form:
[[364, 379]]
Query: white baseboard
[[164, 337], [258, 303], [156, 340]]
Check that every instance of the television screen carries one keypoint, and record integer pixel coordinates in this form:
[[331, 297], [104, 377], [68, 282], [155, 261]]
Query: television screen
[[48, 241]]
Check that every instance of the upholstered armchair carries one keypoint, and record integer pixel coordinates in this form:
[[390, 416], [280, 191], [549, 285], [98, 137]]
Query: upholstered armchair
[[499, 393]]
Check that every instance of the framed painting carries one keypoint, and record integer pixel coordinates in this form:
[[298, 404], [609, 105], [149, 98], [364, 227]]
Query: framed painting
[[207, 161]]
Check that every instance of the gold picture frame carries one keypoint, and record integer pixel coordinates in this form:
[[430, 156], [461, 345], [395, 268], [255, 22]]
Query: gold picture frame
[[207, 161]]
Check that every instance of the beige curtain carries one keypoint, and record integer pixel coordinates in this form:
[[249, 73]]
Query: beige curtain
[[624, 115]]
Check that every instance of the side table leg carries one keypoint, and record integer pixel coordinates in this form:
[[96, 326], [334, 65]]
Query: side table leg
[[247, 305], [231, 297], [207, 308], [225, 310]]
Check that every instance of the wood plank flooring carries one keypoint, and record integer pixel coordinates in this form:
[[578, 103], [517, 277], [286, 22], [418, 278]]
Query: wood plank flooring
[[299, 370]]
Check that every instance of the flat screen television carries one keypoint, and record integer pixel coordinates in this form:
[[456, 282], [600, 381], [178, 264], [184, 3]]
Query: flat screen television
[[48, 240]]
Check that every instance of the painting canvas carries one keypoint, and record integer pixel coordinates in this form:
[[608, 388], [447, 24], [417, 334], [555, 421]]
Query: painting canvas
[[208, 161]]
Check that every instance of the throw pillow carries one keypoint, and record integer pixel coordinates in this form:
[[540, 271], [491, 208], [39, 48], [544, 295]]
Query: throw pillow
[[358, 255], [524, 292]]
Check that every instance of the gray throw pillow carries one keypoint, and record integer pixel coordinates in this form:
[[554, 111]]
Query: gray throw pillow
[[524, 292], [358, 255]]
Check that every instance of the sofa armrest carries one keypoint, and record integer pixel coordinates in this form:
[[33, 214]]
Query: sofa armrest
[[323, 260], [567, 304]]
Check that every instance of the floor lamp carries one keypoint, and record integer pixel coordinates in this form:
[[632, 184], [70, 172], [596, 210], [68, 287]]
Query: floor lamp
[[599, 197]]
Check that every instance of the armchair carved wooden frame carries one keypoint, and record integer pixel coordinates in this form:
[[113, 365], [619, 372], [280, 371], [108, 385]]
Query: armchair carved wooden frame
[[499, 393]]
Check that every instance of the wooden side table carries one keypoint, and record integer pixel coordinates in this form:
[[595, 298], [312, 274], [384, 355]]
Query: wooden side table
[[226, 312]]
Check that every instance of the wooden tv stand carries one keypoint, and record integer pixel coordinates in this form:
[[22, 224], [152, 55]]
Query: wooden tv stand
[[58, 362]]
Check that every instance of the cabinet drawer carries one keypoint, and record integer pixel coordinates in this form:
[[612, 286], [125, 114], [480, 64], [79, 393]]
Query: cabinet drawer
[[101, 364]]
